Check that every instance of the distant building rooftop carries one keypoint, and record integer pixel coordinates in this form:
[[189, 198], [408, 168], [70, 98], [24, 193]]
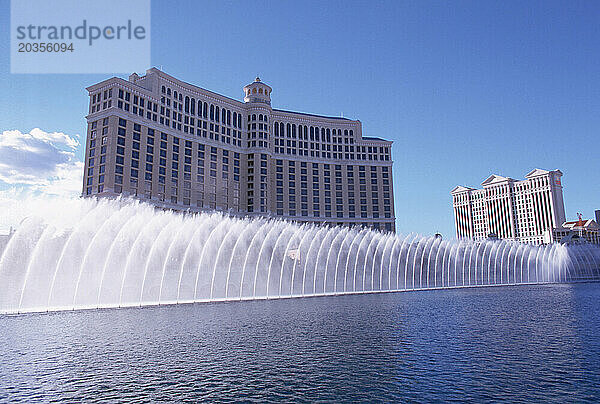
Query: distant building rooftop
[[586, 224]]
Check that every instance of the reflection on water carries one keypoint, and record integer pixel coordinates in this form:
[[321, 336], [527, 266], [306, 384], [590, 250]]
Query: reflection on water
[[538, 343]]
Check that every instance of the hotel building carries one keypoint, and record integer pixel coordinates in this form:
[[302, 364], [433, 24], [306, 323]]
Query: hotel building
[[179, 146], [582, 230], [517, 210]]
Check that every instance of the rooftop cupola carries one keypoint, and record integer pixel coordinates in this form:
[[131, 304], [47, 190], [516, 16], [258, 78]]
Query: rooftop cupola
[[257, 92]]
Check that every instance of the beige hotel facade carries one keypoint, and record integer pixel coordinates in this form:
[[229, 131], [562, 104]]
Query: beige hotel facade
[[181, 147], [525, 211]]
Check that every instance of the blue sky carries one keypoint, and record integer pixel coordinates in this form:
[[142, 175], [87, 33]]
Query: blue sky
[[464, 89]]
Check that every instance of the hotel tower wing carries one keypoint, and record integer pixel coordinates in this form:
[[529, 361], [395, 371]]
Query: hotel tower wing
[[509, 209], [179, 146]]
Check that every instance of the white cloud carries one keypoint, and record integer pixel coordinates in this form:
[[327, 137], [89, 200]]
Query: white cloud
[[40, 162]]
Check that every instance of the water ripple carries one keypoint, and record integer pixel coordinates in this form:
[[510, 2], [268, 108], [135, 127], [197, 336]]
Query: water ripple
[[531, 343]]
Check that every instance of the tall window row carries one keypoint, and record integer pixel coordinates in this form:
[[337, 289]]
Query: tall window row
[[155, 165], [314, 141], [333, 194], [200, 118], [96, 156], [258, 130], [185, 114], [257, 182], [213, 122], [101, 100]]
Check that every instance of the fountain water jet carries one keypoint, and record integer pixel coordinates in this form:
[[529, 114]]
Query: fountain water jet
[[112, 253]]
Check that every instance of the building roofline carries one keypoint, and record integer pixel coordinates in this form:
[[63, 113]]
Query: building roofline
[[168, 76], [375, 138], [539, 171], [459, 188], [162, 74], [103, 82], [257, 82], [338, 118], [496, 178]]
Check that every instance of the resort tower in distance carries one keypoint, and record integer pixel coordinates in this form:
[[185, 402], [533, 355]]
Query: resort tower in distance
[[525, 211], [181, 147]]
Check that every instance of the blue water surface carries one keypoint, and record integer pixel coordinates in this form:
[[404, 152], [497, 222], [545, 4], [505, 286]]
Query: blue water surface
[[519, 344]]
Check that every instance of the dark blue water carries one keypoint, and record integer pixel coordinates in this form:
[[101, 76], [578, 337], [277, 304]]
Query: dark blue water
[[527, 343]]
